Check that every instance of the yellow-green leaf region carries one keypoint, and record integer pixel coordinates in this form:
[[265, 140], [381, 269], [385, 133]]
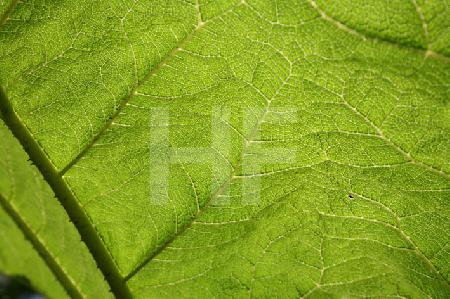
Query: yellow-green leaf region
[[226, 148]]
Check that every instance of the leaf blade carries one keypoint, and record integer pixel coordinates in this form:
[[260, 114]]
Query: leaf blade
[[44, 225], [306, 102]]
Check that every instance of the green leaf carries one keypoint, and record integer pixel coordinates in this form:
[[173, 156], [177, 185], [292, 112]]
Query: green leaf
[[38, 241], [235, 148]]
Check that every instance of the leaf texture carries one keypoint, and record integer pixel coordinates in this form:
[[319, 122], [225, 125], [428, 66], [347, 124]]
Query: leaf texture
[[308, 140], [38, 241]]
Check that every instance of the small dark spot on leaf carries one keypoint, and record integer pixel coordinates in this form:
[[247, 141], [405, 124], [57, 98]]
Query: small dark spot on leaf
[[350, 195]]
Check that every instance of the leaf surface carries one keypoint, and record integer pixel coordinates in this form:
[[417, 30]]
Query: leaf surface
[[38, 241], [242, 148]]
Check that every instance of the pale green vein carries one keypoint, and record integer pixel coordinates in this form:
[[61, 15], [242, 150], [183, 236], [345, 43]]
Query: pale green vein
[[425, 52], [8, 12], [133, 92], [408, 239], [232, 176], [405, 154]]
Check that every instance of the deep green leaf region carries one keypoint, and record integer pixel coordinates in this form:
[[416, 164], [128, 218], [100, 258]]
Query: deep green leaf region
[[243, 149]]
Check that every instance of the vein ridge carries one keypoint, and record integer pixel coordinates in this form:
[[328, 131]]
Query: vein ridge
[[77, 215], [8, 12], [404, 153], [178, 47], [426, 52], [224, 186], [132, 93], [407, 238]]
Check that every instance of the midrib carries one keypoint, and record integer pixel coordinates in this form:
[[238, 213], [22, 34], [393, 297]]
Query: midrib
[[63, 192], [54, 178], [79, 218]]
